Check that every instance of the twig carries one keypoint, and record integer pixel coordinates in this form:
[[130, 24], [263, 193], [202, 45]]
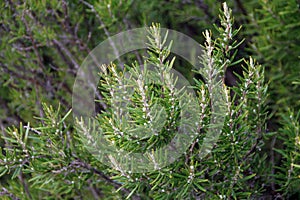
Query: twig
[[102, 175], [29, 32], [5, 192], [66, 15], [62, 48], [25, 185], [241, 7], [129, 26], [94, 190], [32, 130], [67, 52], [27, 48], [253, 148], [116, 51]]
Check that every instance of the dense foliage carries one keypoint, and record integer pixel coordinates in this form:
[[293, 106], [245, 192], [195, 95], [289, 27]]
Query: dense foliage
[[250, 51]]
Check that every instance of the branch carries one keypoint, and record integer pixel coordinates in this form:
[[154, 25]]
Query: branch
[[25, 185], [29, 32], [67, 52], [241, 7], [105, 31], [5, 192], [102, 175]]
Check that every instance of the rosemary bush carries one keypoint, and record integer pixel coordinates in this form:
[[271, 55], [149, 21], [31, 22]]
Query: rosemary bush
[[51, 157]]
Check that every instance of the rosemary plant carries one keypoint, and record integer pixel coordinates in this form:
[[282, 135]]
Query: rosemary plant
[[143, 113]]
